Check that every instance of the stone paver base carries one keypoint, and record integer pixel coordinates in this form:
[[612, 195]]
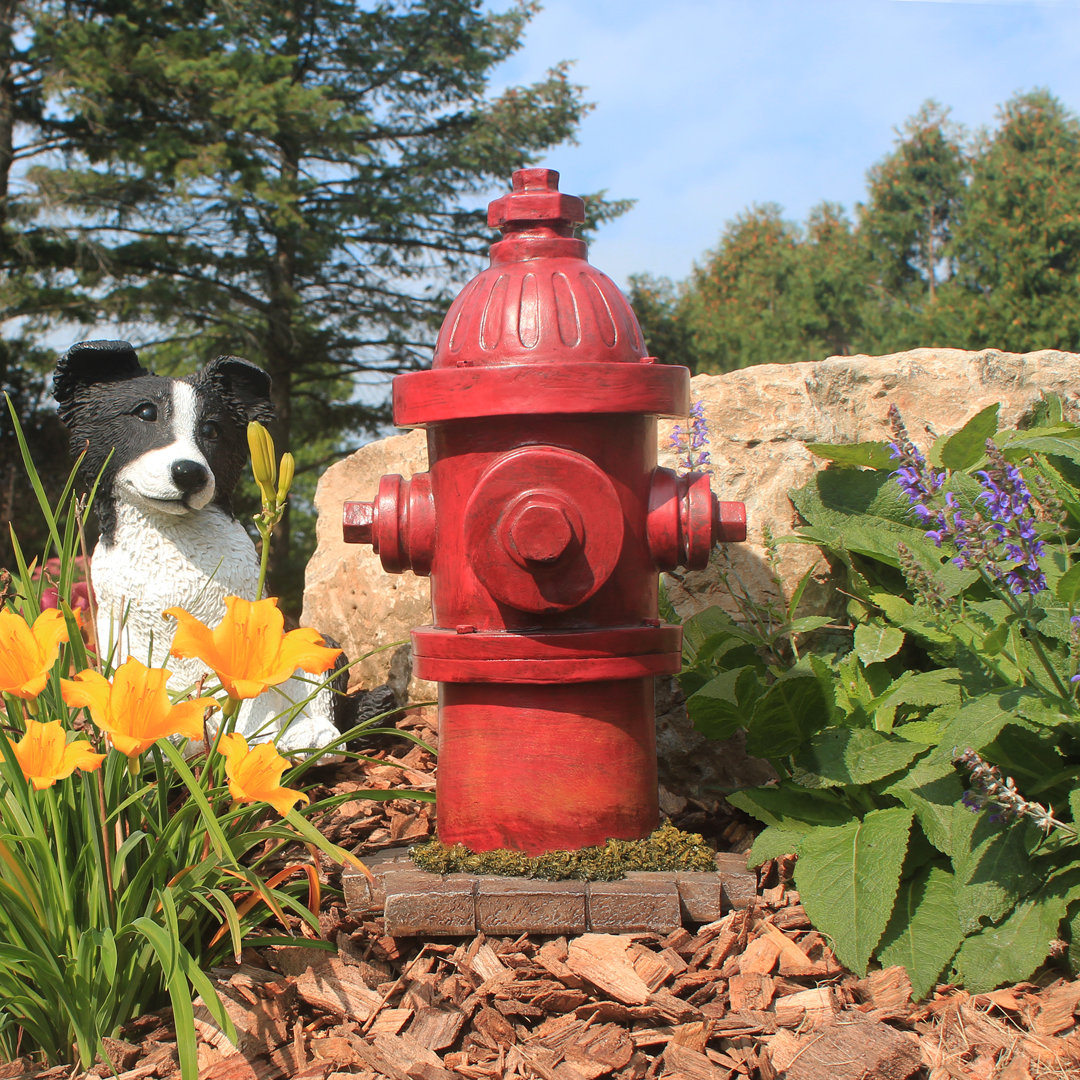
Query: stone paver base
[[416, 903]]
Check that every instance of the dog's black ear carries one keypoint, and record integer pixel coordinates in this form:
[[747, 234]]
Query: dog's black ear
[[242, 383], [91, 362]]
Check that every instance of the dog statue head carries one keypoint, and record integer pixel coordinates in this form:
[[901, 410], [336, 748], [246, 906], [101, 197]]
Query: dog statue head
[[176, 445]]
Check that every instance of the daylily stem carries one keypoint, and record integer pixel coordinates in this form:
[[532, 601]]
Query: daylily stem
[[264, 557]]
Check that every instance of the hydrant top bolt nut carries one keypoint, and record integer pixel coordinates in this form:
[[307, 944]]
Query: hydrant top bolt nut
[[540, 531]]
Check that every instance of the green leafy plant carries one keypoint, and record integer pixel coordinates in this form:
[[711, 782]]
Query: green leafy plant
[[129, 862], [921, 757]]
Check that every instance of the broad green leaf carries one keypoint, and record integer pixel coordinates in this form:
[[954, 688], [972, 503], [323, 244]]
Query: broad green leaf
[[1074, 938], [1051, 445], [1065, 491], [874, 642], [995, 640], [871, 455], [896, 608], [775, 841], [792, 808], [977, 722], [875, 538], [701, 628], [854, 496], [968, 445], [1012, 950], [715, 709], [1048, 412], [842, 756], [917, 688], [1068, 586], [993, 870], [933, 790], [925, 732], [922, 934], [786, 715], [1033, 758], [1055, 622], [808, 623], [848, 879]]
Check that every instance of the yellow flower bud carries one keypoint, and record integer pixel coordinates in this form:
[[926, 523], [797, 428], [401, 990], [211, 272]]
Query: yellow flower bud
[[288, 470], [261, 446]]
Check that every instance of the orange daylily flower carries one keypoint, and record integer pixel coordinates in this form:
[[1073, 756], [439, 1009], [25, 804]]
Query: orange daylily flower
[[27, 653], [255, 774], [249, 650], [134, 710], [45, 755]]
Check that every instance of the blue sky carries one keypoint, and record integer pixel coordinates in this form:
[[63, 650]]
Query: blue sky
[[703, 107]]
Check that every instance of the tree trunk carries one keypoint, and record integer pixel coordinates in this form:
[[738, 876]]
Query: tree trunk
[[7, 112]]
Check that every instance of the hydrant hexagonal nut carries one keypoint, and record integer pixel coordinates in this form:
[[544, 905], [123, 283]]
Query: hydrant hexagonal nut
[[539, 531], [358, 522]]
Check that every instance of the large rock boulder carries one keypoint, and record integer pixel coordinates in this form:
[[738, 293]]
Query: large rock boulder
[[759, 418]]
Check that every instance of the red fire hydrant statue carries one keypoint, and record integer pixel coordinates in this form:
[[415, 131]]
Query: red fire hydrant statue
[[543, 522]]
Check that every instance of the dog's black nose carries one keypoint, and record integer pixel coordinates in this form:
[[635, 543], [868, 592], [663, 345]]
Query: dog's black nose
[[189, 476]]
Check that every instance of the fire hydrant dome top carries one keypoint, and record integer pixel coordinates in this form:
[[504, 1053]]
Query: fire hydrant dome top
[[540, 301]]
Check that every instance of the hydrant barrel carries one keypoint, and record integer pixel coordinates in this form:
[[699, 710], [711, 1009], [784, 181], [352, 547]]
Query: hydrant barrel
[[543, 522]]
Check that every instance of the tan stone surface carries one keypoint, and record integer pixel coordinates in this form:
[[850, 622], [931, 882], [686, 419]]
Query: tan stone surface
[[347, 594], [760, 419], [420, 903]]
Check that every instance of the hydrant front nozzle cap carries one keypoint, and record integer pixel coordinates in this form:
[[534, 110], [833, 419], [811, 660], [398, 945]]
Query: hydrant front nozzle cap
[[536, 200]]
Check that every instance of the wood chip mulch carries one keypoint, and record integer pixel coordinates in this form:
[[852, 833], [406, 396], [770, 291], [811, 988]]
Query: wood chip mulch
[[757, 995]]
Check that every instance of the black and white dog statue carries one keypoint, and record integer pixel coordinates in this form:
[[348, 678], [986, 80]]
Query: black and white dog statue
[[170, 453]]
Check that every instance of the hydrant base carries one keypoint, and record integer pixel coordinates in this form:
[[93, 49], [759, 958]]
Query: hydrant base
[[546, 767]]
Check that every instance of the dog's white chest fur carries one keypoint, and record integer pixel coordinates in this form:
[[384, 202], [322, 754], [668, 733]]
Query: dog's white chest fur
[[191, 561]]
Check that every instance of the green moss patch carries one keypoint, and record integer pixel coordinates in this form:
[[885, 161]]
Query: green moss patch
[[666, 849]]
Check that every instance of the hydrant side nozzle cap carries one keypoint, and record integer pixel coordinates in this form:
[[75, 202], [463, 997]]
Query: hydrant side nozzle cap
[[536, 199], [729, 522]]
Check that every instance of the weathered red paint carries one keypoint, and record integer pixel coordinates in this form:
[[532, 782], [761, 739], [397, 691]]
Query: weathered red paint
[[543, 522]]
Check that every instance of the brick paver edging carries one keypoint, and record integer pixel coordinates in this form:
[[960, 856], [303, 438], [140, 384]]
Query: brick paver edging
[[416, 903]]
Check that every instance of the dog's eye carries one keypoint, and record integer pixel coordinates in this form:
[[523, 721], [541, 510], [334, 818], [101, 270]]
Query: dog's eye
[[146, 411], [209, 430]]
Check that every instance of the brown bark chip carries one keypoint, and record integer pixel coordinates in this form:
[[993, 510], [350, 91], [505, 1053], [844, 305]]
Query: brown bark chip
[[603, 960], [856, 1051]]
